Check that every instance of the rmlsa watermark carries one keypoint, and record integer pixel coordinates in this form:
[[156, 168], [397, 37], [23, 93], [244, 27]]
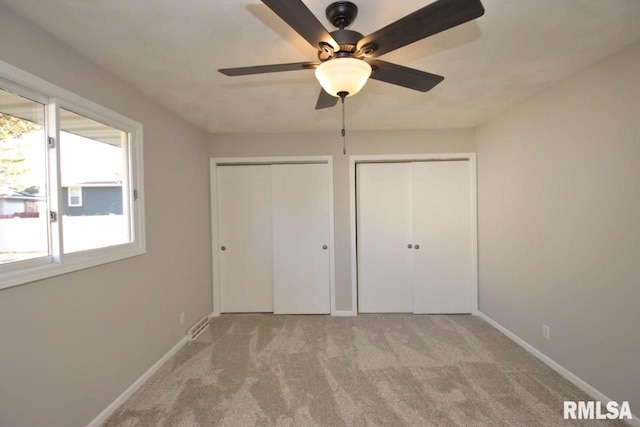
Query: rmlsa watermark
[[595, 410]]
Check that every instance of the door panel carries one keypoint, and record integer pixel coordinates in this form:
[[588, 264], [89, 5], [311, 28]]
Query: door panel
[[244, 224], [383, 233], [301, 267], [442, 227]]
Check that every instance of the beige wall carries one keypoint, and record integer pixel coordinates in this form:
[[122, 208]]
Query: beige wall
[[559, 223], [330, 143], [71, 344]]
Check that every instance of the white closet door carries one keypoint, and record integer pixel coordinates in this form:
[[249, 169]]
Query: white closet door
[[244, 224], [442, 227], [301, 267], [384, 231]]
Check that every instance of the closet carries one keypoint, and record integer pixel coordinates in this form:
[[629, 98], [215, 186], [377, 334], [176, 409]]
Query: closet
[[415, 237], [273, 233]]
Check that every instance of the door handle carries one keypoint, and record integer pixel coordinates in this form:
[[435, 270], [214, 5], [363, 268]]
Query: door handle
[[324, 247], [417, 247], [409, 245], [224, 248]]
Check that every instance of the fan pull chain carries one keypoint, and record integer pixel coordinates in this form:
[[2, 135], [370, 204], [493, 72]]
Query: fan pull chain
[[344, 131]]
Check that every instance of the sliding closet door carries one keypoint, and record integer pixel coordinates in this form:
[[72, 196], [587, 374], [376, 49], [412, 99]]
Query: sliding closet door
[[301, 265], [383, 236], [442, 237], [245, 236]]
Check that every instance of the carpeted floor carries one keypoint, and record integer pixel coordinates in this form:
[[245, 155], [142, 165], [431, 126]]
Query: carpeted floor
[[369, 370]]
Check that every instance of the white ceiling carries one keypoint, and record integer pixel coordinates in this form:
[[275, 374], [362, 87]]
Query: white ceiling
[[171, 50]]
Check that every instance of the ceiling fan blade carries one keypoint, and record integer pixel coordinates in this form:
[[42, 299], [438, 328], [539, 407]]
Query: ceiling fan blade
[[431, 19], [325, 100], [303, 21], [261, 69], [404, 76]]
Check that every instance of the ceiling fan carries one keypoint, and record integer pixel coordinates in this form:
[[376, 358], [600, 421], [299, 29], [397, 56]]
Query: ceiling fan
[[347, 58]]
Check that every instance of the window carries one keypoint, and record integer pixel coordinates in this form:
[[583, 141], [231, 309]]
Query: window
[[74, 196], [23, 235], [70, 181], [92, 166]]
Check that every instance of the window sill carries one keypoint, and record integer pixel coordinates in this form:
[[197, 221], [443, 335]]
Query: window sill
[[71, 263]]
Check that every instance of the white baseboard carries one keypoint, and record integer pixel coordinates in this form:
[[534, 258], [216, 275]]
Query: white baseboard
[[100, 419], [344, 313], [337, 313], [576, 380]]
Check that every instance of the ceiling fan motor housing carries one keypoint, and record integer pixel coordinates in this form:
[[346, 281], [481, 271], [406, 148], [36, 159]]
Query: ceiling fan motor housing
[[341, 14], [347, 39]]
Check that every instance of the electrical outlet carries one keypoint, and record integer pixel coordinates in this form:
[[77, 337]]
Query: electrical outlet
[[546, 332], [182, 318]]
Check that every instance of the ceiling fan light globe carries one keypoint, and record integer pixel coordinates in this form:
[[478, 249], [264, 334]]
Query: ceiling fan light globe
[[343, 75]]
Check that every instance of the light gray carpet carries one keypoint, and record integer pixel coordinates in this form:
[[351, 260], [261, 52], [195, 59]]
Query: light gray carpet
[[384, 370]]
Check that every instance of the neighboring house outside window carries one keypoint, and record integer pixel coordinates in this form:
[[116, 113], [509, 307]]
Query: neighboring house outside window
[[20, 205], [93, 198]]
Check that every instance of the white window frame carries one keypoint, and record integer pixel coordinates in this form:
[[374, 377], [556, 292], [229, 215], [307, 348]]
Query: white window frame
[[69, 196], [54, 98]]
